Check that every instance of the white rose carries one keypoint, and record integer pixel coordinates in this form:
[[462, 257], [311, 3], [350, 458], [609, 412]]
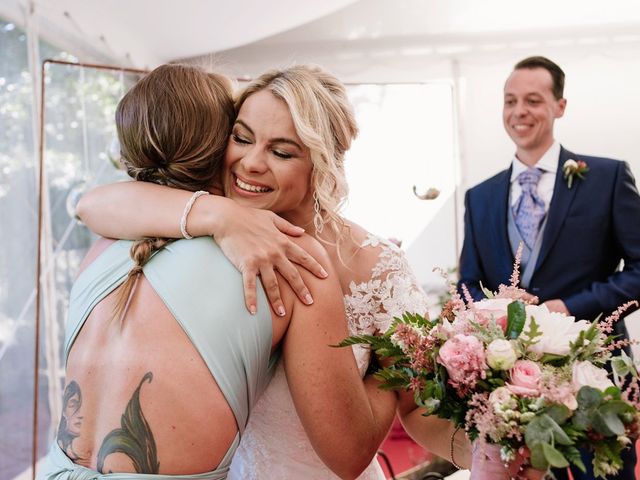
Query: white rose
[[501, 355], [587, 374], [570, 165], [558, 330]]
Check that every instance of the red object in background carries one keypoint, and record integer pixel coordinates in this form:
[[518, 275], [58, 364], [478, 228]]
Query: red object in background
[[403, 453]]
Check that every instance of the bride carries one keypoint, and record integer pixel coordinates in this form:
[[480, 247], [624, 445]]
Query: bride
[[286, 154]]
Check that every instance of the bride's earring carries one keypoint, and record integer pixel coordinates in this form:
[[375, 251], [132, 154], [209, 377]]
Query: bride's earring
[[318, 221]]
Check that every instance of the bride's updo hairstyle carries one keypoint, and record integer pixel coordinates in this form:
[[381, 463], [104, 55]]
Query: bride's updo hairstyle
[[173, 127], [324, 121]]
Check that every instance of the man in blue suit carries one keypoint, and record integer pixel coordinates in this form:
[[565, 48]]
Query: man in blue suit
[[575, 233]]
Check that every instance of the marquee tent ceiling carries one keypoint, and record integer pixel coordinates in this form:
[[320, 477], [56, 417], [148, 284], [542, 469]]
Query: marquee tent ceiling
[[144, 33]]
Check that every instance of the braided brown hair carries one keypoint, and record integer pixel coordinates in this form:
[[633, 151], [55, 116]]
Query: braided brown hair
[[173, 127]]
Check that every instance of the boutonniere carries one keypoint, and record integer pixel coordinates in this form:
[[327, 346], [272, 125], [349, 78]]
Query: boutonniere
[[573, 168]]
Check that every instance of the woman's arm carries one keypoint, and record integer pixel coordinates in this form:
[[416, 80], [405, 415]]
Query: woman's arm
[[345, 418], [255, 241], [433, 433]]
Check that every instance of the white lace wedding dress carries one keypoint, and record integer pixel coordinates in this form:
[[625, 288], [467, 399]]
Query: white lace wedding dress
[[274, 445]]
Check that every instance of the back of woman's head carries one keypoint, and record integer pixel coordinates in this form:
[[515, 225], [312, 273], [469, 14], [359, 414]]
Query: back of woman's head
[[173, 127], [324, 120]]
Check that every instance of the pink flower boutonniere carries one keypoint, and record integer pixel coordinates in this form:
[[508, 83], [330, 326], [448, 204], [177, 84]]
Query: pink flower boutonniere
[[575, 168]]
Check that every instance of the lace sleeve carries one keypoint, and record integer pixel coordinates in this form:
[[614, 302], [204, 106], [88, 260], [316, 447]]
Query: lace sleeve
[[392, 290]]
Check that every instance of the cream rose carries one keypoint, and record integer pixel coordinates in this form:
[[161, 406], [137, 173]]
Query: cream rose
[[587, 374], [501, 355]]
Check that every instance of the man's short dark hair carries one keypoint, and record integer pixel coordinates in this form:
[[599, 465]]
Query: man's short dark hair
[[557, 75]]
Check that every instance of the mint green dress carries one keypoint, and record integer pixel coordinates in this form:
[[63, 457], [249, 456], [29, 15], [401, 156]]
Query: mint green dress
[[204, 293]]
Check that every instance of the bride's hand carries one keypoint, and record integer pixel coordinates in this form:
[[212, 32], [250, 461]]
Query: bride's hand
[[258, 242], [488, 465]]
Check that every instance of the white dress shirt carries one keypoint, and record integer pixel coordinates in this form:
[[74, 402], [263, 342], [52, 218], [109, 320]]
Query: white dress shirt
[[548, 163]]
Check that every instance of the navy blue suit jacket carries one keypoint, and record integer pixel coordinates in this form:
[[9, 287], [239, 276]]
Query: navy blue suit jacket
[[590, 228]]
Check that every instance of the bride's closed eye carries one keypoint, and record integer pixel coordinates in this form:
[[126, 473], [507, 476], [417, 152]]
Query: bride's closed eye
[[282, 155]]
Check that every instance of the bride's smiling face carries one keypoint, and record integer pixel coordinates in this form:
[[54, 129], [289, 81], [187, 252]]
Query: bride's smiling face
[[266, 164]]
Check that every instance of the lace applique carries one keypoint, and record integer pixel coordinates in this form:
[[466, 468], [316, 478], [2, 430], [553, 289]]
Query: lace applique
[[391, 290]]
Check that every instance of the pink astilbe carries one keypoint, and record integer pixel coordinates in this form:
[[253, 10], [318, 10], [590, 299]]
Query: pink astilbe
[[514, 280], [631, 392], [420, 358], [513, 291], [455, 302], [606, 325], [482, 416], [416, 346], [618, 344], [467, 296], [407, 337], [562, 393], [416, 384]]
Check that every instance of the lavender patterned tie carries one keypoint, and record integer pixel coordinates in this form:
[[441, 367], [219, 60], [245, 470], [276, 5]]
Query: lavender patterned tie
[[528, 210]]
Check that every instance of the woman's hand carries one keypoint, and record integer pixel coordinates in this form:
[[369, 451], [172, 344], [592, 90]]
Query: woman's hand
[[487, 465], [257, 242]]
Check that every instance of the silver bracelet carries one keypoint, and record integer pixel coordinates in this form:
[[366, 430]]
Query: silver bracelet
[[185, 213]]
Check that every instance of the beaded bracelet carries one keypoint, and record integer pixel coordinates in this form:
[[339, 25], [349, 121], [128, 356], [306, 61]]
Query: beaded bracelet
[[453, 462], [185, 213]]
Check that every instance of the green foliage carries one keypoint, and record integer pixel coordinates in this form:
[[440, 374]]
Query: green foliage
[[530, 336], [516, 317], [487, 293]]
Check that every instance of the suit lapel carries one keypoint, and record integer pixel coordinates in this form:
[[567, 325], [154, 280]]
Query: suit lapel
[[499, 221], [560, 202]]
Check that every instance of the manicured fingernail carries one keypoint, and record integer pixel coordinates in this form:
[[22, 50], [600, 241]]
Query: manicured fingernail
[[323, 273], [252, 309], [281, 311], [308, 299]]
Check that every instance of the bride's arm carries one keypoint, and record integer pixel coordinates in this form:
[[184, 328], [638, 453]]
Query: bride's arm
[[437, 435], [255, 241], [345, 418]]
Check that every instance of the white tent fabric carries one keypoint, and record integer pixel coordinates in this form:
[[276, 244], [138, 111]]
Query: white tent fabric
[[145, 33]]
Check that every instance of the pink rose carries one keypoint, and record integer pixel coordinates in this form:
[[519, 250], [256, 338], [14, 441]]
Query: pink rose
[[525, 378], [464, 358], [502, 323]]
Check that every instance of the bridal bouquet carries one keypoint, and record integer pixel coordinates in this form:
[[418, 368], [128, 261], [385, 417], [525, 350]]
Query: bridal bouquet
[[514, 374]]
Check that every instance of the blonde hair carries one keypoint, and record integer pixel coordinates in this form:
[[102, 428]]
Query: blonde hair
[[173, 127], [324, 121]]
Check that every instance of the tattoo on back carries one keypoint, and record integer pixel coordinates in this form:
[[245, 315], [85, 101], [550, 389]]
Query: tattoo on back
[[134, 437], [70, 420]]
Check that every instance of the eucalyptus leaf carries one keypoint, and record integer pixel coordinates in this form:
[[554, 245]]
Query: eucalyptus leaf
[[537, 431], [589, 397], [538, 459], [581, 420], [607, 423], [559, 413], [554, 456]]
